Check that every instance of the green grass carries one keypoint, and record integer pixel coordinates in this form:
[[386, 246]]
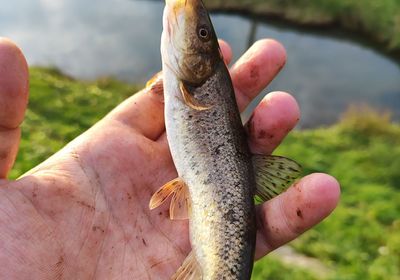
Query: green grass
[[60, 108], [379, 19], [273, 269], [360, 240]]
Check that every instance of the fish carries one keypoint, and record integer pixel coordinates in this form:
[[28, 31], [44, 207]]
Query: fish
[[219, 180]]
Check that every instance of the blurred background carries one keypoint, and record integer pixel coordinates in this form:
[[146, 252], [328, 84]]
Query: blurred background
[[343, 68]]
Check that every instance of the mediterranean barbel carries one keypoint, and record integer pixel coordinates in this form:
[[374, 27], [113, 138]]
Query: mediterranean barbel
[[218, 177]]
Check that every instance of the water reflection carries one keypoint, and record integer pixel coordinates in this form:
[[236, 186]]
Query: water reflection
[[87, 38], [121, 38], [327, 74]]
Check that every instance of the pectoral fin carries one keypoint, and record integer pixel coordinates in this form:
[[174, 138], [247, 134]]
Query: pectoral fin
[[180, 205], [190, 269], [274, 174], [190, 100], [155, 84]]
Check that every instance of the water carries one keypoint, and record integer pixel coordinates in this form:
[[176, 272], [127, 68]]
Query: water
[[121, 38]]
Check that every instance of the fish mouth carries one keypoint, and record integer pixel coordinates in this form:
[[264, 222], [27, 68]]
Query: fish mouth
[[172, 9], [175, 15], [171, 25], [176, 6], [176, 3], [186, 7]]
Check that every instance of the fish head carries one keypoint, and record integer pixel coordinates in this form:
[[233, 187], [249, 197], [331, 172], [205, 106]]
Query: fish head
[[189, 44]]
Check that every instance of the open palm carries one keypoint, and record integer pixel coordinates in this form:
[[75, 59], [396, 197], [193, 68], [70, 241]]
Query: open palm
[[83, 213]]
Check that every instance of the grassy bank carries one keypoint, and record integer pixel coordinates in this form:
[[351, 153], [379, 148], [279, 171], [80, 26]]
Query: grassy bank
[[379, 20], [359, 241], [60, 108]]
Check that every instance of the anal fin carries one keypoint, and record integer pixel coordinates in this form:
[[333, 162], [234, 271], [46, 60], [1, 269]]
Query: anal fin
[[189, 270], [180, 203], [273, 174]]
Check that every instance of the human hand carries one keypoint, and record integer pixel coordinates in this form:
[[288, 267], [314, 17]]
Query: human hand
[[83, 213]]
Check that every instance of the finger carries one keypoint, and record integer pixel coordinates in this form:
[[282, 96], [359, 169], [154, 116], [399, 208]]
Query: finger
[[304, 205], [276, 115], [14, 87], [9, 143], [144, 111], [256, 69], [226, 51], [13, 84]]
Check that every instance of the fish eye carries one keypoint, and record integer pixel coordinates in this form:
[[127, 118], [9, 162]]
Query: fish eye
[[204, 33]]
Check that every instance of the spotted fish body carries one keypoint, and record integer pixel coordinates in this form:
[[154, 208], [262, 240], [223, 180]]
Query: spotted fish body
[[216, 185], [211, 155]]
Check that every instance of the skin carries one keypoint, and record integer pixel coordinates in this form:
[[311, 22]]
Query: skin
[[84, 214]]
